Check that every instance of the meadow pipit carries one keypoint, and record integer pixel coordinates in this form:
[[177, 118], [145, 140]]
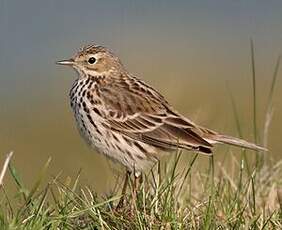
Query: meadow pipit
[[127, 120]]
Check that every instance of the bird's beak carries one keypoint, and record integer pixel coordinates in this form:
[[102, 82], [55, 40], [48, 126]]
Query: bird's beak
[[65, 62]]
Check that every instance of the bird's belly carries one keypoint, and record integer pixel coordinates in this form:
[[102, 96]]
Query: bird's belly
[[136, 156], [93, 133]]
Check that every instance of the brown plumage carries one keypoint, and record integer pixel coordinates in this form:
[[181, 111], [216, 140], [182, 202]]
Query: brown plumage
[[127, 120]]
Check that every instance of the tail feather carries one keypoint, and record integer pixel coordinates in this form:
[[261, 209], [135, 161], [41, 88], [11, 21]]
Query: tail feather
[[235, 141]]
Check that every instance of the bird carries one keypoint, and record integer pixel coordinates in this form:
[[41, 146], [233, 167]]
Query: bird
[[129, 121]]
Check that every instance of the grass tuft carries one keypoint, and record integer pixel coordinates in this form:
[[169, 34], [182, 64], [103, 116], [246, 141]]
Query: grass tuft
[[168, 198]]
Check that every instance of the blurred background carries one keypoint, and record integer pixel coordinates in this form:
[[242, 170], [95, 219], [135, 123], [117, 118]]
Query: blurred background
[[196, 53]]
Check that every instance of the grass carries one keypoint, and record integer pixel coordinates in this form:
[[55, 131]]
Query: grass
[[236, 193], [168, 198]]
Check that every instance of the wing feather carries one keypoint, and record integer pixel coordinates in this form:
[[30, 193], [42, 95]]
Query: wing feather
[[147, 117]]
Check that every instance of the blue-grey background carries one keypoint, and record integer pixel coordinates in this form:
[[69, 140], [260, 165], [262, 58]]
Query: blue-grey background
[[195, 52]]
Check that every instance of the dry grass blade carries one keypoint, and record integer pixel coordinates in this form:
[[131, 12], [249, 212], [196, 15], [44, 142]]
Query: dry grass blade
[[5, 166]]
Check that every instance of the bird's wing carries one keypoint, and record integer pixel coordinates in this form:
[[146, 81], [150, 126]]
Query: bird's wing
[[139, 112]]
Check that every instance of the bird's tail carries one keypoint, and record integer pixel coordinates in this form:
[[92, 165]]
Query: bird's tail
[[218, 138]]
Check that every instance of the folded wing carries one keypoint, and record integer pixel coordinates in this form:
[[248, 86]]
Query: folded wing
[[141, 113]]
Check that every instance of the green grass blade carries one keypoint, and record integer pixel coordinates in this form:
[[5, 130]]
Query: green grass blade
[[254, 90], [269, 110], [37, 183]]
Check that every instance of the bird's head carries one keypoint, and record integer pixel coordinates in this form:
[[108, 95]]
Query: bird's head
[[94, 60]]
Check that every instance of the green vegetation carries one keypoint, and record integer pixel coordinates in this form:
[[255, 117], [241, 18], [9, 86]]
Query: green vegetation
[[237, 193], [168, 198]]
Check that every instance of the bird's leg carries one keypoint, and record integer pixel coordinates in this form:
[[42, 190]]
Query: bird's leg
[[137, 182], [121, 201], [136, 185]]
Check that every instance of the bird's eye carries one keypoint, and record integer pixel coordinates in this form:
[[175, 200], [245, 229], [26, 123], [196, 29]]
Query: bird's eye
[[91, 60]]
